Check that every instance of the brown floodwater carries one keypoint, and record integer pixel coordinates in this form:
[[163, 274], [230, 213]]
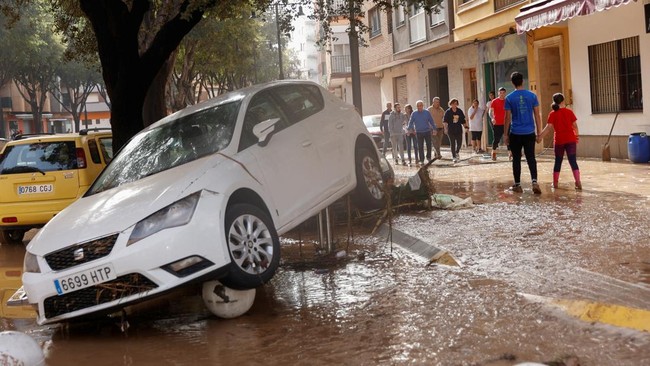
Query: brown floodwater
[[382, 304]]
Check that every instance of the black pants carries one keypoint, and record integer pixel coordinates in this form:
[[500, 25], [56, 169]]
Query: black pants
[[422, 138], [498, 134], [527, 142], [455, 142]]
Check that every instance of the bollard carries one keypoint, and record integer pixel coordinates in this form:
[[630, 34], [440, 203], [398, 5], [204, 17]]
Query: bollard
[[18, 348]]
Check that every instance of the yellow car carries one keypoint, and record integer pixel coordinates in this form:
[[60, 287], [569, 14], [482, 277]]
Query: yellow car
[[42, 174]]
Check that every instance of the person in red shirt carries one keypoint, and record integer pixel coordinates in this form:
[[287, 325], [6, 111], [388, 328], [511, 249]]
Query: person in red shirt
[[497, 114], [563, 122]]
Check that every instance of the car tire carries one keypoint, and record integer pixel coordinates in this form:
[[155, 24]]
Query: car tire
[[369, 193], [253, 246], [13, 236]]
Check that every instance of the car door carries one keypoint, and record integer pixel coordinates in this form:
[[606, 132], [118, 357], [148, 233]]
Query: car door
[[288, 161], [305, 106]]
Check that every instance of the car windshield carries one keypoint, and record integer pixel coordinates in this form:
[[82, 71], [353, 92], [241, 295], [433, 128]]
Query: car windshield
[[38, 157], [169, 145]]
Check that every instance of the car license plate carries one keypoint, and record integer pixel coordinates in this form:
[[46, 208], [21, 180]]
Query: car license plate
[[85, 279], [35, 189]]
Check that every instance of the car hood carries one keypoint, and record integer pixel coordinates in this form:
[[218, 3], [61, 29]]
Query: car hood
[[117, 209]]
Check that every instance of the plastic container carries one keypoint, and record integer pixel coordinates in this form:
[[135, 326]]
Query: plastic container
[[638, 147]]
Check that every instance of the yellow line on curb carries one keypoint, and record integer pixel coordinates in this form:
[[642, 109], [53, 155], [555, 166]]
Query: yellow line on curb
[[617, 315]]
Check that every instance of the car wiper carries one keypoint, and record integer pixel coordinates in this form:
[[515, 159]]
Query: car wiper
[[21, 169]]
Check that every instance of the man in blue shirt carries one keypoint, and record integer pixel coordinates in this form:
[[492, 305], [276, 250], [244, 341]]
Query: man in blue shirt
[[423, 124], [522, 124]]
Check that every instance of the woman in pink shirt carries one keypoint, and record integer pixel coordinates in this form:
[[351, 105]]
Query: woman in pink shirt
[[564, 123]]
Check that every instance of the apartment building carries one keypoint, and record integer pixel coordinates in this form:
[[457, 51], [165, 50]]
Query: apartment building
[[16, 114], [598, 51]]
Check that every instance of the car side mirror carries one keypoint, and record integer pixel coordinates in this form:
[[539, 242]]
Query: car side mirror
[[264, 130]]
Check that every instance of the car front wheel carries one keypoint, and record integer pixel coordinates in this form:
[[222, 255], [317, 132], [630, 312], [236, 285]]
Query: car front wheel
[[253, 245], [369, 194], [13, 236]]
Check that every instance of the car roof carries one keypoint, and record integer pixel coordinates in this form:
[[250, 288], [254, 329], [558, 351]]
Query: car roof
[[28, 138], [234, 95]]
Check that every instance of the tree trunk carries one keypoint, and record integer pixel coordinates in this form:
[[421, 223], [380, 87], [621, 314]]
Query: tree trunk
[[155, 107], [129, 72]]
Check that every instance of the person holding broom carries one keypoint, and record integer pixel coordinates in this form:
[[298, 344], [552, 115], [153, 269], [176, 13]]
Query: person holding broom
[[564, 124]]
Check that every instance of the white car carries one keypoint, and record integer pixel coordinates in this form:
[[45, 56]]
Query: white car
[[203, 194]]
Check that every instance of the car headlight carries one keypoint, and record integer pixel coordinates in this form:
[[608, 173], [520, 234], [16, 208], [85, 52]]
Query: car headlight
[[30, 264], [178, 213]]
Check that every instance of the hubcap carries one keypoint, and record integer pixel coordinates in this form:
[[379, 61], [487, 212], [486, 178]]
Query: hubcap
[[250, 244], [372, 177]]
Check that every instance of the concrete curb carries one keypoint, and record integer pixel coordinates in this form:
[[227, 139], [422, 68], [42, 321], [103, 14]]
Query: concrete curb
[[417, 246]]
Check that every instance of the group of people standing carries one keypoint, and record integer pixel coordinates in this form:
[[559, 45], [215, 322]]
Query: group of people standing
[[515, 117], [412, 130]]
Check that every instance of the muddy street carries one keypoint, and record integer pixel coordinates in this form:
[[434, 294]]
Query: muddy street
[[531, 268]]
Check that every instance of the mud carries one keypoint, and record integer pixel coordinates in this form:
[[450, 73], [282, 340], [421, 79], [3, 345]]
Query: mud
[[381, 304]]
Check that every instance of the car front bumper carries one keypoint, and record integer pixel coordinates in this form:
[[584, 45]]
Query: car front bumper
[[128, 274]]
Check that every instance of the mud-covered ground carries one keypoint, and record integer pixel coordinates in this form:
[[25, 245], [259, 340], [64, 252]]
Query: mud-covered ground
[[382, 304]]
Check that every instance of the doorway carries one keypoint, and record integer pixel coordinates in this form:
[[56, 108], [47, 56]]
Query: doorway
[[550, 76]]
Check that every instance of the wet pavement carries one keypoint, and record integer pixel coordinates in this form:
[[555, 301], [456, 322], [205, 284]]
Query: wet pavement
[[520, 255]]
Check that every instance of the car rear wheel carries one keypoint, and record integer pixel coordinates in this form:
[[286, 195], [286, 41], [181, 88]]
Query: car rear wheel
[[13, 236], [253, 245], [369, 194]]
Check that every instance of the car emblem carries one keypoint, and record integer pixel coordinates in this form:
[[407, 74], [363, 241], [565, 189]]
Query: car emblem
[[79, 254]]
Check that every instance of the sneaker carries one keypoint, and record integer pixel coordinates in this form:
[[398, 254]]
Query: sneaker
[[578, 186], [536, 188], [516, 188]]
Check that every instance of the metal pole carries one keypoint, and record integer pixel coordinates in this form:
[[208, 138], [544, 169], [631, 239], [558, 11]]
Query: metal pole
[[330, 242], [354, 59], [321, 234], [277, 24]]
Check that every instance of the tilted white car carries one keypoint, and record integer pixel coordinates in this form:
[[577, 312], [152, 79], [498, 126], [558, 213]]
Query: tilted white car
[[203, 194]]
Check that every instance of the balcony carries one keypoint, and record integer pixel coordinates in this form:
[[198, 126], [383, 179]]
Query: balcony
[[340, 64], [505, 4]]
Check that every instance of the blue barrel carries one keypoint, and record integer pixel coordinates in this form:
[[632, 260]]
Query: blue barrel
[[638, 147]]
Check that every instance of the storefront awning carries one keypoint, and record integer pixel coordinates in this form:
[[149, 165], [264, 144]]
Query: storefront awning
[[547, 12]]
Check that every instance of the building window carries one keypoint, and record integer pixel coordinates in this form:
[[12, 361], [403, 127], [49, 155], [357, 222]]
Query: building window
[[400, 18], [615, 76], [417, 26], [437, 18], [375, 22]]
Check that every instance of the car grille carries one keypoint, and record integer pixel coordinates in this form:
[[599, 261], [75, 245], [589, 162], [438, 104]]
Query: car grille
[[116, 289], [89, 251]]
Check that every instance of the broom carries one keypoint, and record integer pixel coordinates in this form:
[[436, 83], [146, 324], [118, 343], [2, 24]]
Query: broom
[[606, 154]]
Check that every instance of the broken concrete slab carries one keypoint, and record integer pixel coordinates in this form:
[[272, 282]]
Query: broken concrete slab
[[417, 246]]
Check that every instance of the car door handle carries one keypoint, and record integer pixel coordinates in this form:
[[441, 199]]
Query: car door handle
[[339, 126], [306, 143]]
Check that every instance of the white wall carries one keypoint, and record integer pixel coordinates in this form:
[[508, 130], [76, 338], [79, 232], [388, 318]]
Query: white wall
[[416, 72], [606, 26]]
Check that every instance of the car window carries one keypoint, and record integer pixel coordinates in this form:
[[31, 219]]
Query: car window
[[106, 146], [261, 108], [300, 101], [169, 145], [39, 157], [94, 151]]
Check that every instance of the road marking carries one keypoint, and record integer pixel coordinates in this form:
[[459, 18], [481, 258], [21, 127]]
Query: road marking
[[589, 311]]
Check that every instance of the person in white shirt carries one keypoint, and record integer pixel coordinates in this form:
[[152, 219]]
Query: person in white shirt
[[475, 113]]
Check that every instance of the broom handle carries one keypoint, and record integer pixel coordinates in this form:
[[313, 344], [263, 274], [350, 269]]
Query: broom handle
[[612, 129]]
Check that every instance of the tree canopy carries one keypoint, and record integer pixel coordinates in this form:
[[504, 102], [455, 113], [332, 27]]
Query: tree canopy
[[137, 41]]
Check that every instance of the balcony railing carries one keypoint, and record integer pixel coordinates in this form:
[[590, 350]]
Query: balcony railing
[[503, 4], [341, 64]]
